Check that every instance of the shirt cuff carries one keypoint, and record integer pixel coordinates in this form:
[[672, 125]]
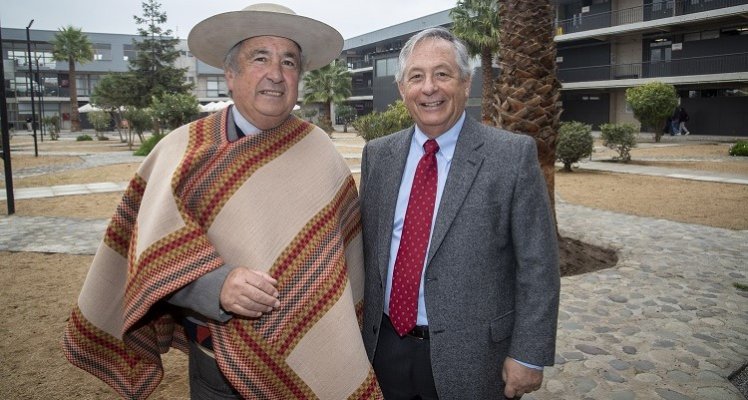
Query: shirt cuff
[[533, 366]]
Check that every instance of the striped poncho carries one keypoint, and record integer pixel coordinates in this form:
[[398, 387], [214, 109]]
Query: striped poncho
[[282, 201]]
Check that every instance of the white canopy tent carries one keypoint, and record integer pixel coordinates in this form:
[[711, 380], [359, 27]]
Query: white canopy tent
[[88, 107], [214, 106]]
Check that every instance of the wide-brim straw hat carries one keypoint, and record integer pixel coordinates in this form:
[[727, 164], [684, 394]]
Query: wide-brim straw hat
[[213, 37]]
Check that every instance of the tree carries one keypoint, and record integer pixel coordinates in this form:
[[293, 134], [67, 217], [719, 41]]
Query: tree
[[175, 110], [153, 67], [327, 85], [72, 45], [138, 120], [528, 90], [100, 120], [652, 103], [113, 93], [346, 114], [476, 22]]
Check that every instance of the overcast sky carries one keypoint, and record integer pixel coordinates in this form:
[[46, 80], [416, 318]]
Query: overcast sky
[[351, 18]]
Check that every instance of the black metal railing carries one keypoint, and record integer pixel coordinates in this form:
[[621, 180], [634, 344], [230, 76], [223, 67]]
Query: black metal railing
[[360, 64], [362, 91], [647, 12], [721, 64]]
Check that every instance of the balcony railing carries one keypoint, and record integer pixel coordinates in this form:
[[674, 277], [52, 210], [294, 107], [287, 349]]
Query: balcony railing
[[362, 91], [648, 12], [727, 63], [360, 64]]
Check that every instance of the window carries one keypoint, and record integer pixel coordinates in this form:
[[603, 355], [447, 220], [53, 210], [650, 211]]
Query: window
[[19, 56], [85, 84], [129, 52], [382, 67], [81, 85], [102, 51], [216, 87], [387, 67]]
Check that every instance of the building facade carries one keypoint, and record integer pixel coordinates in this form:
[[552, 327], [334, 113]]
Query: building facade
[[372, 60], [50, 79], [699, 46], [604, 47]]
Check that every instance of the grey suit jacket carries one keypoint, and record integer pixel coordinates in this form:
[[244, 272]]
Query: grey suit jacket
[[492, 275]]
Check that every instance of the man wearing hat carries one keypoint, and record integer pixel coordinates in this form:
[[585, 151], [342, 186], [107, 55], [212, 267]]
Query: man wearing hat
[[239, 239]]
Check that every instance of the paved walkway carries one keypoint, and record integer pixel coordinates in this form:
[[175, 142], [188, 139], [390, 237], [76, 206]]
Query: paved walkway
[[666, 322]]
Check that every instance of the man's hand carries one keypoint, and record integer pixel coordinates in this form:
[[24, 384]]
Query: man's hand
[[520, 379], [249, 293]]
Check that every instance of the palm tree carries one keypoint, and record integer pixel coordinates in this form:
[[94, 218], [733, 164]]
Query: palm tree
[[328, 85], [71, 45], [527, 90], [476, 22]]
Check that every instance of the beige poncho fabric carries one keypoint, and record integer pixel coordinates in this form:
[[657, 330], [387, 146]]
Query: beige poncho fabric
[[281, 201]]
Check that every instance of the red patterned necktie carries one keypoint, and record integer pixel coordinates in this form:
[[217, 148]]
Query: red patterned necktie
[[411, 254]]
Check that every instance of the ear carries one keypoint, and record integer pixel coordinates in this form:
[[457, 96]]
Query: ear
[[229, 75], [401, 89]]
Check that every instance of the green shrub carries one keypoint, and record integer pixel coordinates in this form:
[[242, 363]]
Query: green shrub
[[740, 148], [620, 137], [83, 138], [174, 109], [148, 145], [574, 143], [376, 124]]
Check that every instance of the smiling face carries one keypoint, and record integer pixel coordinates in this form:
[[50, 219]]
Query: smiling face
[[432, 88], [265, 84]]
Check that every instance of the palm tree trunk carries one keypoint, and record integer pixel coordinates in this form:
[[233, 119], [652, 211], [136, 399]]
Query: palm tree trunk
[[486, 61], [75, 122], [527, 90]]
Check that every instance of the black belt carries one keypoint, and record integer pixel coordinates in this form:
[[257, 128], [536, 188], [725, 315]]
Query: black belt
[[418, 332]]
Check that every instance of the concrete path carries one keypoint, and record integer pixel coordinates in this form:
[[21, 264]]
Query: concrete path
[[666, 322]]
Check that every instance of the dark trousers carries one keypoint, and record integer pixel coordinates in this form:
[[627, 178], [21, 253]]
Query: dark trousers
[[206, 380], [403, 365]]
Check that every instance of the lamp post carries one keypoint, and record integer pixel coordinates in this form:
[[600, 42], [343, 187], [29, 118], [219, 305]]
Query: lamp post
[[10, 200], [31, 83]]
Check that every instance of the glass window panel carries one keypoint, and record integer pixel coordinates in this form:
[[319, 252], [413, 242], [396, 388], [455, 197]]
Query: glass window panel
[[381, 67], [102, 51]]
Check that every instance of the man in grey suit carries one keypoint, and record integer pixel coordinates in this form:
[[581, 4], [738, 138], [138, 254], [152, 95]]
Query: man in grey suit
[[486, 256]]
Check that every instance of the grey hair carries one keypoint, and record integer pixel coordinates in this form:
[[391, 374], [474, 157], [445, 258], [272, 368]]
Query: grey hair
[[462, 57], [231, 60]]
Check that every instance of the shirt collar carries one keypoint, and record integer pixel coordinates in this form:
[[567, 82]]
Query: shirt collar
[[447, 141], [246, 126]]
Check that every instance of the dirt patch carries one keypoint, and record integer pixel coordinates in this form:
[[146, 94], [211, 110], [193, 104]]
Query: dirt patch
[[39, 290], [92, 206], [20, 162], [106, 173], [577, 257], [705, 203]]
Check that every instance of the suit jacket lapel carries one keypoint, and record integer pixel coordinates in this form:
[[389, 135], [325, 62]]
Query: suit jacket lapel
[[392, 167], [466, 162]]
